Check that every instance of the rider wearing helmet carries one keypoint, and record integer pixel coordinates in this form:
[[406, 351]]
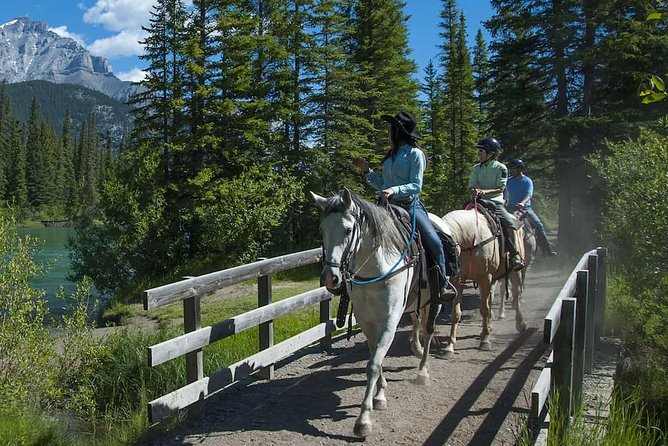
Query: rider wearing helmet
[[487, 183], [518, 193]]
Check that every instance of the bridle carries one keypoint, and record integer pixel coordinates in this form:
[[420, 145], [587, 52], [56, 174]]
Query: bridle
[[348, 253]]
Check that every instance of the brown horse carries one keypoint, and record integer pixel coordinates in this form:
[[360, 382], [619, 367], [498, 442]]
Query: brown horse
[[481, 262]]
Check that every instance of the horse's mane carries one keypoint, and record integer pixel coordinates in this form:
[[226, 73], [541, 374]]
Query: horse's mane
[[379, 220]]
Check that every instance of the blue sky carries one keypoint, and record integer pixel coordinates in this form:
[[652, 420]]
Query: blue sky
[[112, 28]]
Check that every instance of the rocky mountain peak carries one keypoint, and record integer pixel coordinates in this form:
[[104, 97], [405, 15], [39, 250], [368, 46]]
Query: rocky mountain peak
[[30, 51]]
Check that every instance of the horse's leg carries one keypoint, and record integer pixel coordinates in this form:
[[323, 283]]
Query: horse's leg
[[517, 280], [384, 334], [455, 318], [500, 285], [423, 370], [485, 311], [379, 399], [416, 346]]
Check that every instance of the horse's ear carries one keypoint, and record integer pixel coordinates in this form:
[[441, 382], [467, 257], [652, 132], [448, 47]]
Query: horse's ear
[[347, 197], [319, 201]]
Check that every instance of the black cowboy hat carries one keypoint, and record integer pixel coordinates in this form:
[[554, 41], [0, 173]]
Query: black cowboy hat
[[404, 122]]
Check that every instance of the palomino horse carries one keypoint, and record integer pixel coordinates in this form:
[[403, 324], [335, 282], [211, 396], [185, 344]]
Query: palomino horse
[[361, 240], [530, 248], [480, 262]]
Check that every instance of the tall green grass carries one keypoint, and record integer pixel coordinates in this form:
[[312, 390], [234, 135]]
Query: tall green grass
[[122, 383], [628, 422]]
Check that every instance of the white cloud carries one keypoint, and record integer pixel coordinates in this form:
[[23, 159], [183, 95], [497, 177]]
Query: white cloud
[[63, 32], [120, 15], [125, 43], [133, 75]]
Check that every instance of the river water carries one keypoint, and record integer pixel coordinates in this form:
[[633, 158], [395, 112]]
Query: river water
[[52, 254]]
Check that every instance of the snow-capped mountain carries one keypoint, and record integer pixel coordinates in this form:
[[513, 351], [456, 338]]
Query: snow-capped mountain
[[29, 51]]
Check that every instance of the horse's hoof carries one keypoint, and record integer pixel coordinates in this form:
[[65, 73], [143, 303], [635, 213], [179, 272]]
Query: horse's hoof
[[379, 404], [502, 316], [422, 379], [485, 346], [448, 353], [418, 353], [362, 430], [521, 327]]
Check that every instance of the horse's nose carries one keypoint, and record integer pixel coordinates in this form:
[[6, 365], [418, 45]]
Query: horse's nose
[[330, 280]]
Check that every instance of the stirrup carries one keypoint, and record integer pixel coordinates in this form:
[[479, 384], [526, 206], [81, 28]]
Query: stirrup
[[448, 292], [516, 263]]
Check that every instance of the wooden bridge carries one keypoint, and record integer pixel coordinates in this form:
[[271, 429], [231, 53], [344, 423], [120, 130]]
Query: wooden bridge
[[66, 223], [313, 397]]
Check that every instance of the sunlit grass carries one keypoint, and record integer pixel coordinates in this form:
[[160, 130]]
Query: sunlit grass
[[627, 422]]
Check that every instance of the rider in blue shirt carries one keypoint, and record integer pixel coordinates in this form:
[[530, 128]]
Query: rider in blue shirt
[[400, 182], [518, 193]]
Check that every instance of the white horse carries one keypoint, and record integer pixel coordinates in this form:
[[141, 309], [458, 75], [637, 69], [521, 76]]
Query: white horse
[[530, 249], [362, 243]]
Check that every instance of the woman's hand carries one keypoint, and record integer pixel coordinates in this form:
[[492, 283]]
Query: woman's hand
[[386, 194], [362, 164], [475, 192]]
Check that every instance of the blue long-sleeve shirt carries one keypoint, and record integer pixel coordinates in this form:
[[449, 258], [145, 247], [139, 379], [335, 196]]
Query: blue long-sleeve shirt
[[403, 173]]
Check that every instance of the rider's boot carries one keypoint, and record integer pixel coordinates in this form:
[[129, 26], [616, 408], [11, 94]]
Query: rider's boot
[[516, 261], [448, 291]]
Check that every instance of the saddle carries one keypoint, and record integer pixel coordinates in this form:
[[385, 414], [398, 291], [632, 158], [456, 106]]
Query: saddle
[[452, 266], [488, 210]]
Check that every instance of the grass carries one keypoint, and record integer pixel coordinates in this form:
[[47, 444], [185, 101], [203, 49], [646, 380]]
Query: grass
[[628, 423], [123, 382]]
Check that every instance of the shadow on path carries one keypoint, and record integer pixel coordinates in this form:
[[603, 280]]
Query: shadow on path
[[497, 414]]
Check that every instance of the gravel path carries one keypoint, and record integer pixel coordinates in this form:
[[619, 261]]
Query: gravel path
[[474, 398]]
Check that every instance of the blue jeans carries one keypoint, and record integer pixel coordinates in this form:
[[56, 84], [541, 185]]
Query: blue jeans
[[430, 239], [540, 230]]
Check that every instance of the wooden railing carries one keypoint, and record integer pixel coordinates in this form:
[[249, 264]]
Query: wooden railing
[[572, 327], [190, 344]]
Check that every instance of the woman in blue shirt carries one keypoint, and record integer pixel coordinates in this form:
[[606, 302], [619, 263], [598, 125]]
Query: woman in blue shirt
[[400, 183]]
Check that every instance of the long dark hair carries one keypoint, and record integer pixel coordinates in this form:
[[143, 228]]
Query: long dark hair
[[398, 139]]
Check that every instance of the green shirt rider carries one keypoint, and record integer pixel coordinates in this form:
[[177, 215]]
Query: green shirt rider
[[487, 182]]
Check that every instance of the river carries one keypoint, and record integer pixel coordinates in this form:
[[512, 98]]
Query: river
[[53, 255]]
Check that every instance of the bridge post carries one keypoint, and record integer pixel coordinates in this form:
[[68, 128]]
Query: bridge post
[[600, 291], [592, 285], [194, 361], [264, 297], [581, 323], [562, 378], [325, 317]]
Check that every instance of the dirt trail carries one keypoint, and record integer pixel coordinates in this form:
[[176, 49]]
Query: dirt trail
[[474, 398]]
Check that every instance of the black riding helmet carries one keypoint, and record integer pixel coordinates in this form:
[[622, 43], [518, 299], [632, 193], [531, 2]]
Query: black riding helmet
[[489, 144], [516, 163]]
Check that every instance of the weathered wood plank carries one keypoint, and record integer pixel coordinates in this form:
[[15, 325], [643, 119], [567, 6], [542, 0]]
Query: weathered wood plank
[[552, 320], [264, 298], [580, 333], [174, 292], [592, 267], [201, 389], [541, 390], [175, 347]]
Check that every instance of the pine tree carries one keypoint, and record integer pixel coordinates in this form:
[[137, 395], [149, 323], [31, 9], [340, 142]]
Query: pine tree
[[70, 187], [18, 184], [481, 76], [380, 50], [339, 129], [456, 114], [158, 112], [433, 143]]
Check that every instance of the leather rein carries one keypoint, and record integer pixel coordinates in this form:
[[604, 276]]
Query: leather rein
[[347, 277]]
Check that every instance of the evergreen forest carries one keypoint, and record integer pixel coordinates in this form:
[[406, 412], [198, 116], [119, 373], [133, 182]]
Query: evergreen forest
[[248, 105]]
